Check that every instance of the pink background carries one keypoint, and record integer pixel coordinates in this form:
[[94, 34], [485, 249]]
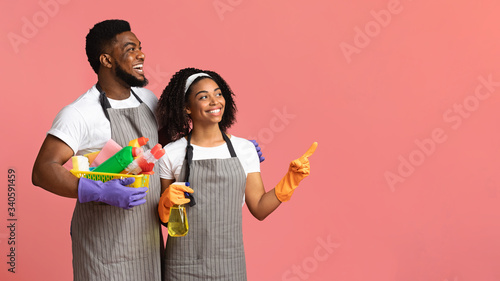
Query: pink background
[[405, 183]]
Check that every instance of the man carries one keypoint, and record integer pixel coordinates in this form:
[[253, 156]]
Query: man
[[115, 229]]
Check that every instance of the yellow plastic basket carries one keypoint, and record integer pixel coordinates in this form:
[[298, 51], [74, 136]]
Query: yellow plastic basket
[[140, 180]]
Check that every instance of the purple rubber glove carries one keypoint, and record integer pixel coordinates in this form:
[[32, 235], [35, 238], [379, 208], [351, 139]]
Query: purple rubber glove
[[114, 192], [257, 147]]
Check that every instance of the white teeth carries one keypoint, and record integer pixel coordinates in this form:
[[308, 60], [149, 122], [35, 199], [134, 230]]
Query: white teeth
[[214, 111], [138, 66]]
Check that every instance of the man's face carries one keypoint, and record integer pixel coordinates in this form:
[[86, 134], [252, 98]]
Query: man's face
[[129, 59]]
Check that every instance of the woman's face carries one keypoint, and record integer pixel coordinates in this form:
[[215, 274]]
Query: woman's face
[[205, 103]]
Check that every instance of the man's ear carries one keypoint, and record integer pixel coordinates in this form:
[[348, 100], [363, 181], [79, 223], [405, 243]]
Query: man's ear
[[106, 60]]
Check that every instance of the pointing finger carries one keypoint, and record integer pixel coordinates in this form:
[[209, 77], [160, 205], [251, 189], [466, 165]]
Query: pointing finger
[[311, 150]]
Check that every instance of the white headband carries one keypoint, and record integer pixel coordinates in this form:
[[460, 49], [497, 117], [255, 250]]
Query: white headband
[[193, 77]]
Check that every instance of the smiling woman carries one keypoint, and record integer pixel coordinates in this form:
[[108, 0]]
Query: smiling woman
[[188, 89], [206, 104], [223, 171]]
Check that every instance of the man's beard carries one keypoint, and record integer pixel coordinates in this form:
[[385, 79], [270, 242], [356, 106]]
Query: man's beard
[[129, 78]]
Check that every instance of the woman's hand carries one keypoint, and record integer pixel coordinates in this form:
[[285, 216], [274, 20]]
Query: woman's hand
[[173, 195], [298, 170]]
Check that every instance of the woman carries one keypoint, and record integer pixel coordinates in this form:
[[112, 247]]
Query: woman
[[194, 112]]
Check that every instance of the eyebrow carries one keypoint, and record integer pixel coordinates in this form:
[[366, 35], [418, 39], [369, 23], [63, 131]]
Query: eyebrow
[[205, 92], [130, 43]]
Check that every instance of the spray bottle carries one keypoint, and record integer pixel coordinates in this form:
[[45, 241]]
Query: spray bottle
[[145, 163], [177, 222]]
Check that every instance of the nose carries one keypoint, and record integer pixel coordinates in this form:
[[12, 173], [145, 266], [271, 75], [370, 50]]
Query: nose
[[212, 100], [141, 55]]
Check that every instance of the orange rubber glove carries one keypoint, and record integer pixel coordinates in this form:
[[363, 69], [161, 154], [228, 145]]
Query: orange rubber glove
[[298, 170], [173, 195]]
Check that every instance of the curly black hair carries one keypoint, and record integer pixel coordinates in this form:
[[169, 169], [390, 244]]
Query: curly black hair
[[100, 36], [173, 121]]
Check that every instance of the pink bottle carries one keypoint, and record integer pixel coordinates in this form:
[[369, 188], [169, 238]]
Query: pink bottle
[[109, 149]]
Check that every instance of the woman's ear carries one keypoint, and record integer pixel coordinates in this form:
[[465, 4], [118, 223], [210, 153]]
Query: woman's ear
[[106, 60], [187, 110]]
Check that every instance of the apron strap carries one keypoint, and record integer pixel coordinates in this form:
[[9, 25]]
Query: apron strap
[[189, 156], [103, 100], [189, 159], [229, 145]]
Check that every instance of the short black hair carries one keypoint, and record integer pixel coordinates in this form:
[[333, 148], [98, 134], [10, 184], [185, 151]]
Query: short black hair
[[173, 121], [100, 36]]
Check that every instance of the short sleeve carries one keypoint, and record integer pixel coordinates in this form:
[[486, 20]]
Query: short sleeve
[[69, 126], [165, 168], [170, 164], [249, 157]]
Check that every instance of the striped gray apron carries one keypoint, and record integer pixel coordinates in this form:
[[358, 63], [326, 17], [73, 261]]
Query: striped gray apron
[[213, 247], [111, 243]]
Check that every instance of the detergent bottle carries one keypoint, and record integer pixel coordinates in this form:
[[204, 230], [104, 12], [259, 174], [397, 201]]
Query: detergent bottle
[[109, 149], [119, 161]]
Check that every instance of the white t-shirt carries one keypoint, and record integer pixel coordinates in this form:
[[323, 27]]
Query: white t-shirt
[[175, 152], [82, 124]]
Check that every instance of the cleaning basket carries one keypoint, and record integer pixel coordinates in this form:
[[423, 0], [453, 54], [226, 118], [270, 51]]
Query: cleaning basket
[[140, 180]]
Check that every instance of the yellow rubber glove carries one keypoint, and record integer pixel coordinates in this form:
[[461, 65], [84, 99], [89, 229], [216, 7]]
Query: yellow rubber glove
[[298, 170], [173, 195]]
